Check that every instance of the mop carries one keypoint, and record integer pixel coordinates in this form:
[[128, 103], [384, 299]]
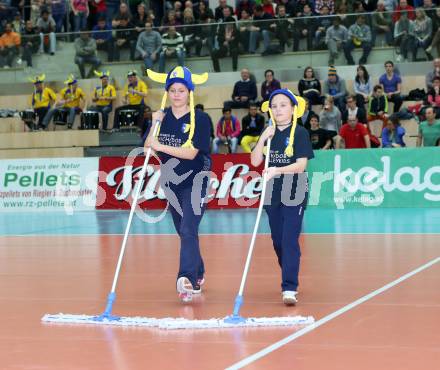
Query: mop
[[232, 321], [107, 317]]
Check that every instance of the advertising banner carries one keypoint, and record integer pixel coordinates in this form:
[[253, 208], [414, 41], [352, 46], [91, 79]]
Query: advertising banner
[[406, 177], [48, 184]]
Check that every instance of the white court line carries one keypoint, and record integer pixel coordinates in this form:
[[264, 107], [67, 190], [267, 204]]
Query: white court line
[[273, 347]]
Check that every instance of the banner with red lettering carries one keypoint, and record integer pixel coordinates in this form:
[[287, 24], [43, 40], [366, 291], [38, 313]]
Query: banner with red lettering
[[234, 183]]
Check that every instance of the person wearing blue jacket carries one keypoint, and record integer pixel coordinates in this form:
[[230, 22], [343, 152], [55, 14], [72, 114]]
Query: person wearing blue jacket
[[392, 135]]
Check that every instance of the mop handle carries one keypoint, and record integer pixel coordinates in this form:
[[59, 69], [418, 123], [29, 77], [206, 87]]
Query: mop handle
[[257, 221], [133, 207]]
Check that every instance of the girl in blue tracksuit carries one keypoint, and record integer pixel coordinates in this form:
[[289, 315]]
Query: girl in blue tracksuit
[[287, 186], [183, 148]]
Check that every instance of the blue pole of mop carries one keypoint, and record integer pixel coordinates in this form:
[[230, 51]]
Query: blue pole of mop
[[235, 318], [108, 308]]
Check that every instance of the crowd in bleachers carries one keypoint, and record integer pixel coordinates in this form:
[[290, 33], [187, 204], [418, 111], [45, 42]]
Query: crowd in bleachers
[[155, 31]]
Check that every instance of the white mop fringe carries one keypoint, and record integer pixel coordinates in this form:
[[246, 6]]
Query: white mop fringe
[[178, 323]]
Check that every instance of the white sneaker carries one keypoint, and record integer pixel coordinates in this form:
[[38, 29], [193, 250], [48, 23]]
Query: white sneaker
[[19, 61], [198, 287], [185, 289], [399, 58], [289, 297]]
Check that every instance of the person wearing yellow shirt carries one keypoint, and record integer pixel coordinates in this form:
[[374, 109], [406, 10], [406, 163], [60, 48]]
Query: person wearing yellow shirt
[[42, 99], [134, 93], [103, 97], [72, 100]]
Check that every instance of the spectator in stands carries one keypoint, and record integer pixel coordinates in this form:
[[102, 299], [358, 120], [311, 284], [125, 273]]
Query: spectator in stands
[[330, 118], [246, 5], [139, 19], [429, 78], [191, 33], [260, 29], [390, 5], [59, 11], [421, 34], [204, 11], [310, 87], [149, 45], [335, 39], [362, 86], [429, 130], [268, 7], [227, 39], [207, 34], [98, 9], [392, 135], [435, 41], [392, 83], [269, 84], [335, 87], [102, 33], [85, 53], [17, 23], [124, 38], [103, 98], [172, 47], [282, 28], [304, 120], [434, 95], [319, 137], [322, 24], [403, 7], [369, 5], [352, 110], [42, 99], [321, 4], [112, 8], [80, 9], [402, 36], [30, 42], [178, 14], [10, 43], [72, 99], [211, 125], [429, 8], [227, 132], [135, 90], [245, 91], [245, 28], [123, 12], [304, 25], [378, 105], [359, 35], [219, 11], [46, 26], [252, 126], [354, 134], [382, 24]]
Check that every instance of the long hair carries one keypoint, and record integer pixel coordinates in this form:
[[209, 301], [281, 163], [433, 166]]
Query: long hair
[[366, 75]]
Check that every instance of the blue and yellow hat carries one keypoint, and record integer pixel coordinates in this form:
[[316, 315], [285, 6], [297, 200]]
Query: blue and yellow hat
[[298, 111], [71, 80], [38, 79], [102, 74], [184, 76]]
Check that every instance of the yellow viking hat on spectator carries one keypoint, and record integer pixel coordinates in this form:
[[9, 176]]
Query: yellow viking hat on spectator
[[71, 80], [184, 76], [102, 74], [38, 79], [299, 107]]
